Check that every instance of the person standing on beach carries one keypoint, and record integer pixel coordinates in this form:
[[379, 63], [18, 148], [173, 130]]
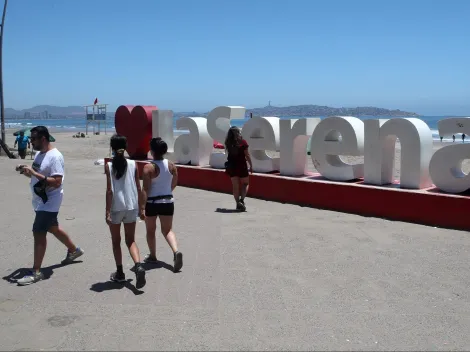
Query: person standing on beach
[[160, 178], [236, 167], [23, 144], [122, 206], [47, 175], [463, 137]]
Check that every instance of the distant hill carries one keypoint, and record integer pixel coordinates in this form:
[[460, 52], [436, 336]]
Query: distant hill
[[51, 109], [314, 110], [297, 111], [59, 110], [317, 110]]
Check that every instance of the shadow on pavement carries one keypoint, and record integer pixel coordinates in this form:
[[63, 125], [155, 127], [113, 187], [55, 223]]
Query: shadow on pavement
[[158, 265], [111, 285], [48, 271], [227, 211]]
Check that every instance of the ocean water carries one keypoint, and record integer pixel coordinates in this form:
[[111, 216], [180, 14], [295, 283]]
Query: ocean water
[[78, 124]]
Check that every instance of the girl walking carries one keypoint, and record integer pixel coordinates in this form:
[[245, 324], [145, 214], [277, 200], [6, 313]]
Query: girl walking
[[160, 178], [122, 206], [235, 167]]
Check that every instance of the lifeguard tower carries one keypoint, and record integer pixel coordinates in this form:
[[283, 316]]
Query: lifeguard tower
[[96, 115]]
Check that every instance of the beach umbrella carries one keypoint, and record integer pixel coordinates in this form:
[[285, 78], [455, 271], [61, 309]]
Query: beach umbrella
[[27, 133]]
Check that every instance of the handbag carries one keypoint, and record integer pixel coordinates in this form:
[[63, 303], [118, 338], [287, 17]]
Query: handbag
[[40, 190]]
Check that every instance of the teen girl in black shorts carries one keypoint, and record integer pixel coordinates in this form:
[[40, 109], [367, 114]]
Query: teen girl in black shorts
[[160, 178]]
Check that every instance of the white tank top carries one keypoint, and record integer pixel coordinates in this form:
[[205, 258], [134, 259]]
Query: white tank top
[[125, 195], [161, 185]]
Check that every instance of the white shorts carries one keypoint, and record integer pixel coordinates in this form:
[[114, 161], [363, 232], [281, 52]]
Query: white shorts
[[124, 216]]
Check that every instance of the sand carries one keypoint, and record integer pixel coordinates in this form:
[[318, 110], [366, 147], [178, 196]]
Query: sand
[[278, 277], [95, 147]]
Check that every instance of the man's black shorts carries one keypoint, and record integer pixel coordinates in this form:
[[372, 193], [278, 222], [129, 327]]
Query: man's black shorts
[[43, 221], [155, 209]]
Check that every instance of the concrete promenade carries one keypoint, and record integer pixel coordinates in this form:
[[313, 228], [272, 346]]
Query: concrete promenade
[[277, 277]]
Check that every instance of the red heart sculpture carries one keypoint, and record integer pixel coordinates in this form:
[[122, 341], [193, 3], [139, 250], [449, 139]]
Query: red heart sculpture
[[135, 123]]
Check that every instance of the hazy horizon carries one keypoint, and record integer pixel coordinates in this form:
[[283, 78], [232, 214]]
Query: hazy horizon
[[109, 110]]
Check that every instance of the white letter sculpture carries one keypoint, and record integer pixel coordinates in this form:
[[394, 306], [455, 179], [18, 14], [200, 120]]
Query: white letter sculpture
[[379, 152], [218, 124], [446, 163], [326, 147], [194, 148], [162, 126], [261, 134], [294, 136]]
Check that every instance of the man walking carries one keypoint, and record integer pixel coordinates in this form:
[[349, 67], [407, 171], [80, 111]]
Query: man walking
[[47, 174], [23, 143]]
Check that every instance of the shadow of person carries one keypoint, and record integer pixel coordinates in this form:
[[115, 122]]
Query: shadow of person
[[158, 265], [111, 285], [48, 271], [227, 211]]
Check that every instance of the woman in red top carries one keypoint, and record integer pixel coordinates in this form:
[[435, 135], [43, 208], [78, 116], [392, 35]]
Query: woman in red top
[[235, 167]]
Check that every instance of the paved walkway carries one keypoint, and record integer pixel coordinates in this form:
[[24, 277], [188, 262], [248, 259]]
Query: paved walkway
[[277, 277]]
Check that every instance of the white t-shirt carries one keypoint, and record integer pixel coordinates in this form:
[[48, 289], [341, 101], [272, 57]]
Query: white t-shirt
[[48, 164]]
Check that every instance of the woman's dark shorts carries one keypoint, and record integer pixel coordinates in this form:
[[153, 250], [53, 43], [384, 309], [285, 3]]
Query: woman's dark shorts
[[43, 221], [237, 172], [155, 209]]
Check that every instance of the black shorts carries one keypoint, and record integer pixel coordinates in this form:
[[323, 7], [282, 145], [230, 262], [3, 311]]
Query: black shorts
[[22, 153], [43, 221], [155, 209], [234, 172]]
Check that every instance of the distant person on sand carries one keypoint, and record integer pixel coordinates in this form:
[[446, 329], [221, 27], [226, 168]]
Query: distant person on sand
[[23, 144], [453, 138], [236, 167], [441, 138], [122, 206], [47, 174], [463, 137], [160, 178]]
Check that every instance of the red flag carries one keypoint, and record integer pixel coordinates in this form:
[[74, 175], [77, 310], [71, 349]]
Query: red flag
[[96, 101]]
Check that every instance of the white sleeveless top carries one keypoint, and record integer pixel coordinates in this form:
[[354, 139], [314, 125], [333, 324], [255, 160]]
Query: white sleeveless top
[[161, 185], [125, 195]]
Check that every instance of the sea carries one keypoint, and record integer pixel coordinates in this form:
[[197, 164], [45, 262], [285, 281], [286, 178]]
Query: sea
[[78, 124]]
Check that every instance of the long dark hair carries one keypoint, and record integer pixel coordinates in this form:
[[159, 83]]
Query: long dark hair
[[118, 144], [158, 147], [233, 139]]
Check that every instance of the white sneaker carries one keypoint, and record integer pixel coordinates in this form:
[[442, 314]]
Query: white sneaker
[[31, 278], [72, 256]]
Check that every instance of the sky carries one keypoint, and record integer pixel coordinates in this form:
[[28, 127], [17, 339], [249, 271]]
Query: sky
[[195, 55]]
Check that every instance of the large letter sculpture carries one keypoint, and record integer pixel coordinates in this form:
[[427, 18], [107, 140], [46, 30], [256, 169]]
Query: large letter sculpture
[[446, 163], [262, 134], [379, 152], [135, 123], [162, 126], [294, 136], [218, 124], [195, 147], [326, 147]]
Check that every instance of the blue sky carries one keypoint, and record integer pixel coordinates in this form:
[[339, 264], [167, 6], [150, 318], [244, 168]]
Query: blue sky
[[195, 55]]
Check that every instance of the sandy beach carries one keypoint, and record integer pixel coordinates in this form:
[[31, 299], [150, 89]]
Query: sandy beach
[[95, 147], [278, 277]]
